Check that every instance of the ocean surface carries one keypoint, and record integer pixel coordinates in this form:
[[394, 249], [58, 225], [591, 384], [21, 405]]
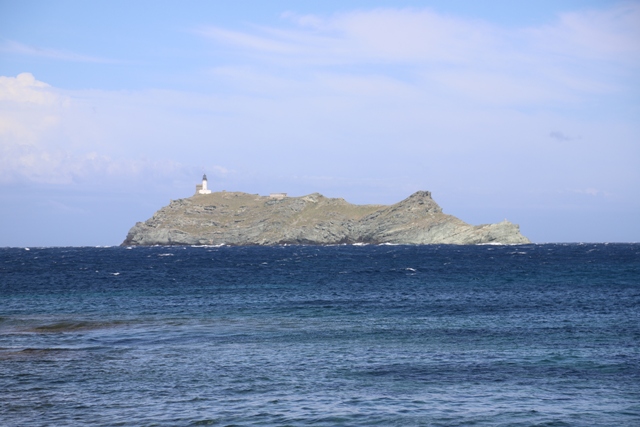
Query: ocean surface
[[531, 335]]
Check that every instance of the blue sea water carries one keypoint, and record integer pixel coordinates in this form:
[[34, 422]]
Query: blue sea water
[[530, 335]]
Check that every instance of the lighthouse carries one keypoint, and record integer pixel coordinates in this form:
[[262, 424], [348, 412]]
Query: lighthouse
[[202, 188]]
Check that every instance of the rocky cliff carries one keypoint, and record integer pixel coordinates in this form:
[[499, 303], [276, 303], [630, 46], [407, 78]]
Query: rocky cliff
[[233, 218]]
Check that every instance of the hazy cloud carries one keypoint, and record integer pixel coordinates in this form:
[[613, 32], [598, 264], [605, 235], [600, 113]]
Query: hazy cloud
[[562, 137], [248, 41], [389, 35], [14, 47], [421, 35], [606, 34], [593, 192], [558, 63]]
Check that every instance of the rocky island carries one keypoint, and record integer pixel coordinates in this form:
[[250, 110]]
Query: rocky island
[[235, 218]]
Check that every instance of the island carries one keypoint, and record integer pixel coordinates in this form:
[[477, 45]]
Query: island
[[240, 219]]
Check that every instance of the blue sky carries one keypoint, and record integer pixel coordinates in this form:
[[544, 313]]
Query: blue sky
[[523, 110]]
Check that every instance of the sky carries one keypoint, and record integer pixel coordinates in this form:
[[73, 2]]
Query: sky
[[528, 111]]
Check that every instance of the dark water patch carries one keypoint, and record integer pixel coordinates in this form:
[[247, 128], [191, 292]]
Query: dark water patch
[[40, 354], [74, 326], [485, 371]]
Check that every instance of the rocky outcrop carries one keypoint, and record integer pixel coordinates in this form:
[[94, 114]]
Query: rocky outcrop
[[232, 218]]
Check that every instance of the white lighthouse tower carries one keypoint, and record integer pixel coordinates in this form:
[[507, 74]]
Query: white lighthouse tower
[[202, 189]]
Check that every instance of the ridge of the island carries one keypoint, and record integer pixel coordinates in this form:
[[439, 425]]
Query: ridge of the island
[[240, 219]]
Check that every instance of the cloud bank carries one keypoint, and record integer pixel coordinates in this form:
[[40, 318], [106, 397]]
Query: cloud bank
[[416, 96]]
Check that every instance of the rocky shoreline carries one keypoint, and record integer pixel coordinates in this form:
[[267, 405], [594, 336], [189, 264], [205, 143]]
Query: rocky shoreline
[[240, 219]]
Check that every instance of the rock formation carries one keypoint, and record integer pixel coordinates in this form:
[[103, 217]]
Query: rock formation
[[234, 218]]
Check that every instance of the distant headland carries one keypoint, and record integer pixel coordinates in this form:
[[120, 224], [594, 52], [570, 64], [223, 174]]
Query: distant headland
[[240, 219]]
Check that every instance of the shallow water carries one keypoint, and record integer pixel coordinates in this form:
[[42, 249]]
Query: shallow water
[[301, 335]]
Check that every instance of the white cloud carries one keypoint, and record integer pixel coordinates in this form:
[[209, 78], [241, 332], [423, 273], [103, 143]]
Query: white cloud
[[48, 135], [25, 89], [28, 108]]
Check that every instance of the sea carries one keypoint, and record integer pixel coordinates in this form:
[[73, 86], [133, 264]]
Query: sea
[[435, 335]]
